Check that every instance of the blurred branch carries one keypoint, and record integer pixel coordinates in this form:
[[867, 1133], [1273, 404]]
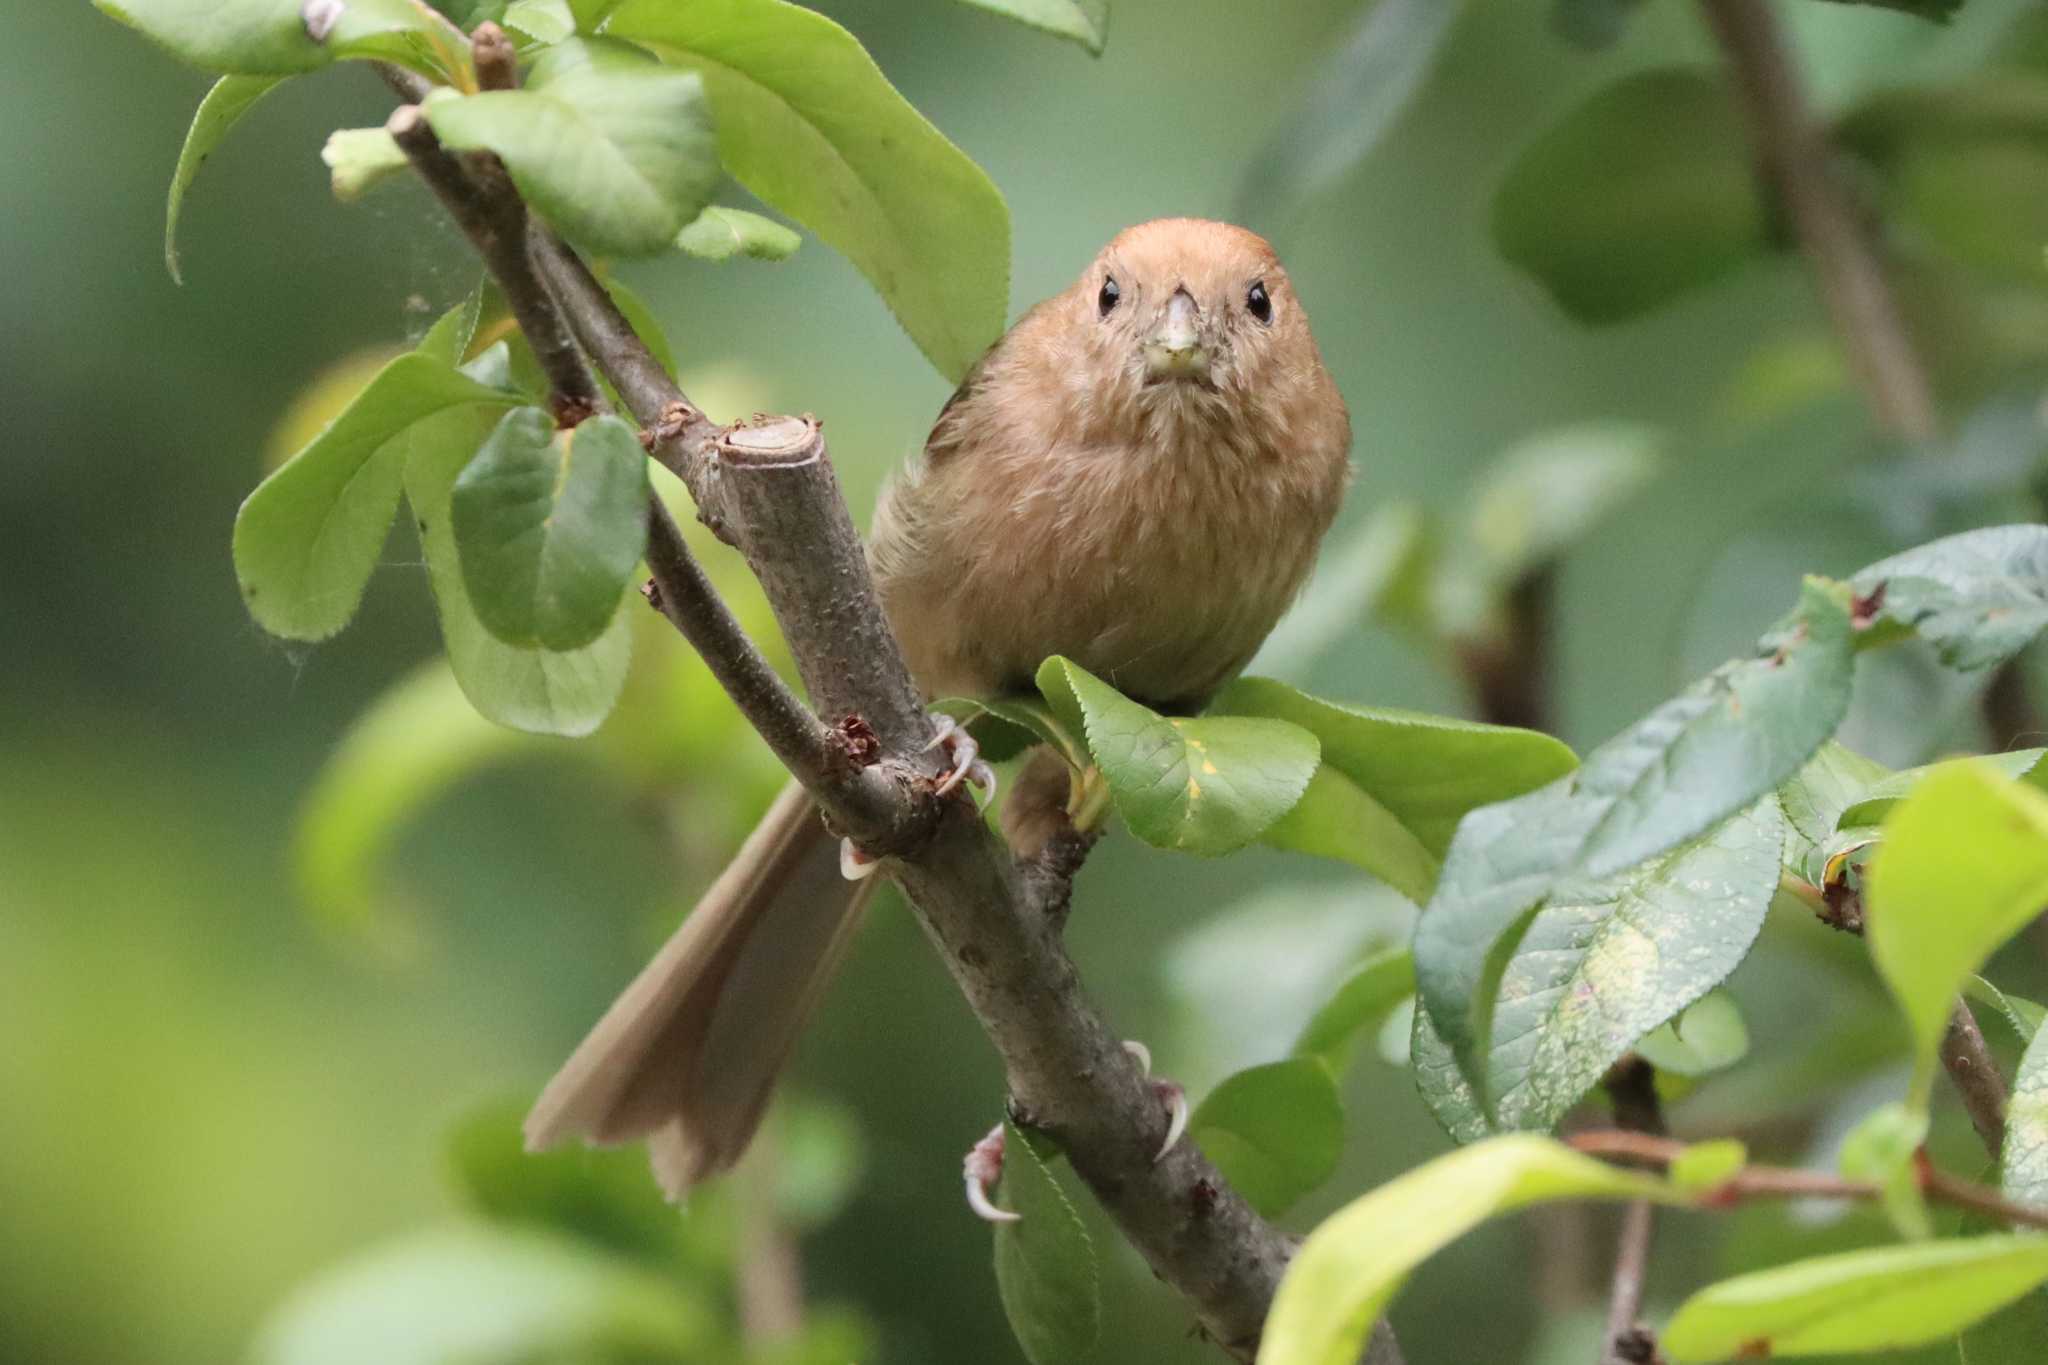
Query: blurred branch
[[1796, 157], [1509, 671], [771, 491], [1632, 1088], [1781, 1182], [1967, 1060]]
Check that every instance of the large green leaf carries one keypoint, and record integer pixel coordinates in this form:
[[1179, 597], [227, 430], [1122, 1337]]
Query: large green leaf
[[1207, 785], [1667, 779], [1084, 21], [2023, 1164], [1275, 1131], [1364, 1001], [1883, 1299], [527, 689], [411, 745], [229, 99], [613, 148], [1876, 801], [719, 234], [307, 539], [1605, 962], [1978, 597], [1963, 866], [273, 37], [1643, 192], [1354, 1262], [549, 525], [807, 121], [1045, 1262], [478, 1296]]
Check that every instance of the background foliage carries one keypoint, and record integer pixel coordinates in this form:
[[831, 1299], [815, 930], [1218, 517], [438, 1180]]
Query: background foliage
[[220, 1095]]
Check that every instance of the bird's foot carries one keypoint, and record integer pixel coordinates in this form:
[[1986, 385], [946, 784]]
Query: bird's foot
[[983, 1168], [1171, 1094], [959, 745]]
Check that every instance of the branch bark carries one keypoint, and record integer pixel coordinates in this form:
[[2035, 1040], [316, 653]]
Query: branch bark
[[770, 490], [1632, 1088]]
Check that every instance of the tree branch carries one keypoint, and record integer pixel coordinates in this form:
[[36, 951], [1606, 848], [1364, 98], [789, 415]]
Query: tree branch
[[1632, 1089], [769, 488], [1797, 159], [1967, 1060]]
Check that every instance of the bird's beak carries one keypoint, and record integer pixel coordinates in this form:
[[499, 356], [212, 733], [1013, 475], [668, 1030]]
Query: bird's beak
[[1175, 350]]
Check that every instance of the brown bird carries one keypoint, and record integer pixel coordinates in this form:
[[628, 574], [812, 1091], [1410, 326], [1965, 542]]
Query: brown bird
[[1136, 476]]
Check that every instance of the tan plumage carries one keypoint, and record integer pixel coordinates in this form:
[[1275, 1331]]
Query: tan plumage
[[1139, 483]]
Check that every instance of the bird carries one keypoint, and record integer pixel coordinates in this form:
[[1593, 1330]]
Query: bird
[[1136, 476]]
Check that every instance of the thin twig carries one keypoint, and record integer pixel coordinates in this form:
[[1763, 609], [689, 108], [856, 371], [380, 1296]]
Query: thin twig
[[1967, 1058], [1632, 1089], [1780, 1182]]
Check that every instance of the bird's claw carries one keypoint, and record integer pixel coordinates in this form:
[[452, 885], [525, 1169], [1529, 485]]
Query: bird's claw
[[855, 865], [982, 1169], [967, 765], [1170, 1093]]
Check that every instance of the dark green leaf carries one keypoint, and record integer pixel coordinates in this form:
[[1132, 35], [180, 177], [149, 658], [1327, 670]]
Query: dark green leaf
[[526, 689], [412, 744], [271, 37], [1684, 768], [1591, 24], [1645, 191], [1085, 21], [1045, 1262], [1207, 785], [2022, 1016], [307, 539], [1354, 1262], [2023, 1164], [1963, 867], [1275, 1131], [1978, 597], [549, 525], [810, 125], [1363, 1002], [610, 146], [1335, 819], [1605, 962], [719, 234], [229, 99], [1349, 103], [1882, 1299], [479, 1296]]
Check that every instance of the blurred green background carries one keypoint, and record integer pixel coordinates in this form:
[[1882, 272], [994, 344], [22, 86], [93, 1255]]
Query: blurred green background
[[211, 1095]]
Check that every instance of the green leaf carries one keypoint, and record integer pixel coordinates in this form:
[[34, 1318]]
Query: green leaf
[[1546, 493], [1045, 1262], [545, 21], [412, 744], [308, 538], [1833, 780], [1604, 963], [1963, 867], [1882, 1299], [1349, 102], [1643, 192], [1710, 1036], [477, 1296], [1876, 801], [1667, 779], [1084, 21], [1978, 597], [2023, 1163], [449, 339], [1591, 24], [808, 122], [526, 689], [1406, 778], [1275, 1131], [1364, 1001], [719, 234], [229, 99], [599, 1196], [1939, 11], [358, 158], [272, 37], [1352, 1265], [549, 525], [2022, 1016], [1703, 1165], [1881, 1149], [610, 146], [1207, 785]]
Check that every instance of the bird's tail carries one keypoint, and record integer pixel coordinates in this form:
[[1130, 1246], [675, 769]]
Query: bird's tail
[[689, 1054]]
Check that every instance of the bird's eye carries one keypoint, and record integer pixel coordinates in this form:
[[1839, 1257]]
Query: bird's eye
[[1258, 303], [1106, 301]]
